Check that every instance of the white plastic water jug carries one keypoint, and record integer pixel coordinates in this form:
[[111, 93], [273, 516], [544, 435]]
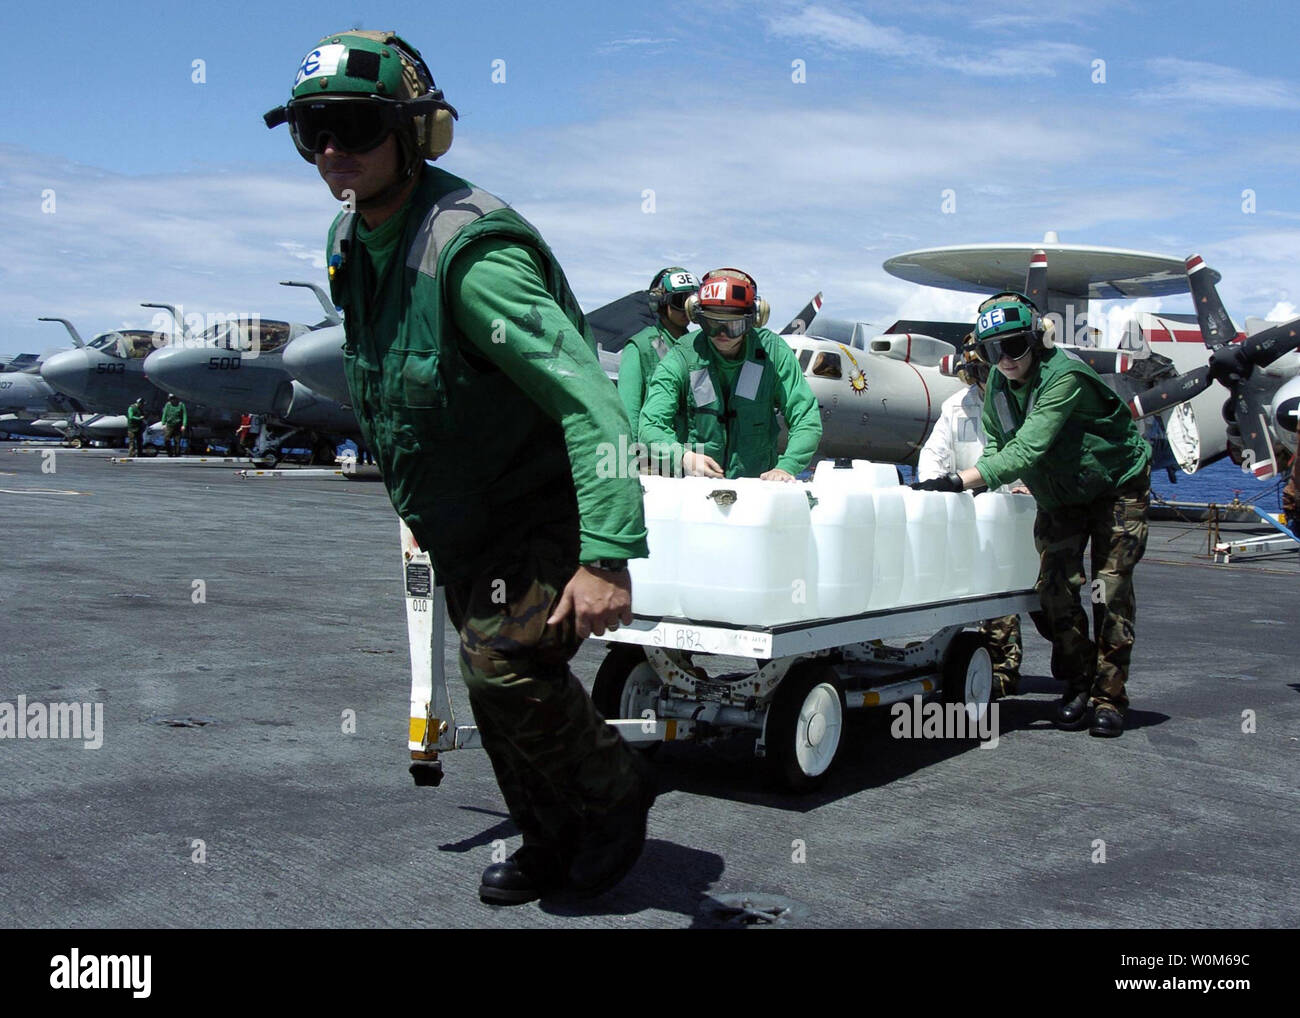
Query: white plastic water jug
[[889, 558], [654, 579], [959, 544], [927, 539], [883, 475], [746, 553], [859, 473], [994, 544], [843, 520], [1023, 512]]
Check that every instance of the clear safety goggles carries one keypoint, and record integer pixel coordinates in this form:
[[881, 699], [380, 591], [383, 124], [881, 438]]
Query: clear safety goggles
[[731, 327]]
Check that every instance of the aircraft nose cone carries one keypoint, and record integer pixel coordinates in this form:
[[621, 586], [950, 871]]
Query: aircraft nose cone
[[68, 372], [163, 366], [316, 360]]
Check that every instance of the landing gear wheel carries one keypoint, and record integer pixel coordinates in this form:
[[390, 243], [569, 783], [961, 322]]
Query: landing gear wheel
[[76, 442], [803, 727], [968, 676], [626, 686], [268, 459]]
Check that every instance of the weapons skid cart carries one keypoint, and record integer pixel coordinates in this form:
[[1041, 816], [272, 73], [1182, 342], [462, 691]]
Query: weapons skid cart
[[654, 685]]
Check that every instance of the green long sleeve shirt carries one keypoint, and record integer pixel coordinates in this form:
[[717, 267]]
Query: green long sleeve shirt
[[731, 405], [494, 281], [636, 366], [1063, 431], [475, 381]]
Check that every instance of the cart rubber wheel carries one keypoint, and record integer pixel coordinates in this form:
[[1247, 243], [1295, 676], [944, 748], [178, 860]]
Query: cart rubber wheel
[[968, 676], [804, 726], [626, 685]]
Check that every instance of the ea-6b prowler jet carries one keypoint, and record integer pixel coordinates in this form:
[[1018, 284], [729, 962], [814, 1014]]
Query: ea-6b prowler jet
[[107, 374], [238, 365]]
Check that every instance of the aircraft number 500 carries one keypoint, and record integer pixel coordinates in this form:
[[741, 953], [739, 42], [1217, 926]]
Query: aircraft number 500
[[115, 368], [223, 363]]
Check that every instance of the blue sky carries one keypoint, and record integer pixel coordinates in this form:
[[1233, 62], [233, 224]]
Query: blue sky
[[167, 189]]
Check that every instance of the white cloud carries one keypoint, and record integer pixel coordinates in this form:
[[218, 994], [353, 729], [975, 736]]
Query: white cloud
[[1198, 82], [845, 30]]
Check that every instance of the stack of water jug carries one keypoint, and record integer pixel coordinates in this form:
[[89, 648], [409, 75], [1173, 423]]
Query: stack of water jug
[[854, 540]]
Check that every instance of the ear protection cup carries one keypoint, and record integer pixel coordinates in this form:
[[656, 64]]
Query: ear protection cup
[[434, 133], [693, 308], [761, 312]]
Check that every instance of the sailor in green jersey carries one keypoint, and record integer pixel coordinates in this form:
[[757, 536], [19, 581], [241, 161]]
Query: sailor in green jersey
[[175, 420], [478, 388], [135, 425], [731, 379], [645, 349], [1055, 424]]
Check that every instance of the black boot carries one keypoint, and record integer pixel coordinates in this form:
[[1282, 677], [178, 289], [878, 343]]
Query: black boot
[[529, 874], [612, 843], [1107, 722], [1072, 711]]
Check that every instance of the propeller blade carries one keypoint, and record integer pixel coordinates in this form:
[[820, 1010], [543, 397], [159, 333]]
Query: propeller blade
[[1258, 456], [1104, 362], [1036, 280], [1216, 327], [1263, 348], [1168, 394]]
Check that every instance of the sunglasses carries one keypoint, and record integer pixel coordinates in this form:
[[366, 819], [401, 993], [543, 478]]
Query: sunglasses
[[1013, 347]]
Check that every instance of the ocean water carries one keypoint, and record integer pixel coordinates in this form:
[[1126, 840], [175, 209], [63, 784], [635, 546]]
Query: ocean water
[[1218, 483]]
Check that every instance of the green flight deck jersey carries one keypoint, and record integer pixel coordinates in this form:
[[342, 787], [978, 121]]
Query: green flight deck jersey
[[730, 405], [134, 418], [636, 366], [1064, 432], [475, 382], [174, 413]]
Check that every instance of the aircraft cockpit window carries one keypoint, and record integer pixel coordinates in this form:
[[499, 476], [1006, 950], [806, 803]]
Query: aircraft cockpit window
[[827, 365], [246, 335], [141, 344], [108, 341], [804, 357], [272, 335]]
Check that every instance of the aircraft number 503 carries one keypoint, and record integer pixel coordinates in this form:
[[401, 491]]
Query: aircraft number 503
[[223, 363]]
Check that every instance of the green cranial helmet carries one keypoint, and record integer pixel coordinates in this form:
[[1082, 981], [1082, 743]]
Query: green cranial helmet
[[1008, 326], [356, 88], [671, 286]]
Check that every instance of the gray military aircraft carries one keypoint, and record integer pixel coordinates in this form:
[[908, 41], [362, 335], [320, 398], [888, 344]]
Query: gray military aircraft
[[238, 365], [107, 374]]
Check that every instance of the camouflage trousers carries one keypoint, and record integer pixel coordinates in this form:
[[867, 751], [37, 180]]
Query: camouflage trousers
[[1005, 650], [172, 439], [1117, 527], [558, 764]]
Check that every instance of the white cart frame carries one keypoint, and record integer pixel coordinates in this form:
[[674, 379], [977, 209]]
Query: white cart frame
[[655, 689]]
